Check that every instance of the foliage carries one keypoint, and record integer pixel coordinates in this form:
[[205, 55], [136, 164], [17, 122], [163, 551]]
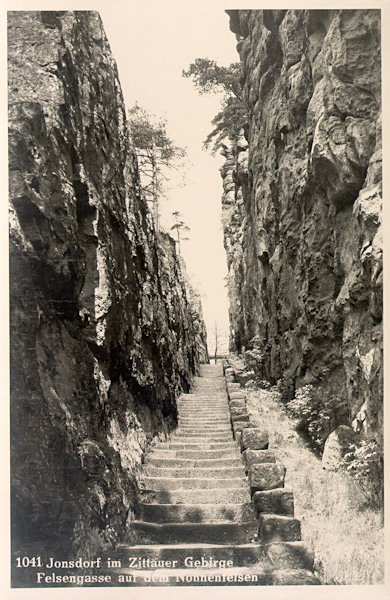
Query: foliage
[[286, 389], [228, 124], [255, 360], [314, 414], [208, 78], [211, 78], [364, 462], [179, 227], [156, 153]]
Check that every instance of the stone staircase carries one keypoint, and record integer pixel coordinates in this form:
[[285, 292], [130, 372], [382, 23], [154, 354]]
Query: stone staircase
[[198, 523]]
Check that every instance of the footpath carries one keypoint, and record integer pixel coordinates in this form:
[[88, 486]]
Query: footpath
[[214, 509]]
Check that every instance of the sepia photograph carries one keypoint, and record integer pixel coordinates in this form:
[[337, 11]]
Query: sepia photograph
[[195, 298]]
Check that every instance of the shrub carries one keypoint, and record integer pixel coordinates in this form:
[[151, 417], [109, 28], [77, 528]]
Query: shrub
[[364, 462], [255, 358], [315, 414], [285, 388]]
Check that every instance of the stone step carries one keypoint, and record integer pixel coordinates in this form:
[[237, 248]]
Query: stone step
[[208, 401], [193, 483], [194, 427], [202, 413], [207, 431], [203, 422], [198, 454], [220, 429], [278, 501], [196, 445], [211, 437], [199, 419], [234, 386], [205, 403], [212, 421], [211, 400], [212, 533], [207, 395], [193, 463], [200, 439], [220, 473], [207, 437], [289, 555], [200, 496], [276, 528], [266, 476], [196, 513]]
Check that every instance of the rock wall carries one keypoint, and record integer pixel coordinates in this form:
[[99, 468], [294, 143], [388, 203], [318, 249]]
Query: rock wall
[[103, 335], [302, 205]]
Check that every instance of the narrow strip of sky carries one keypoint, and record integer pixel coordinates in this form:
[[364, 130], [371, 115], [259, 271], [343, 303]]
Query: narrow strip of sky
[[152, 44]]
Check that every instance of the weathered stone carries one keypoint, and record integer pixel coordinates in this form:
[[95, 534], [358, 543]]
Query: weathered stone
[[290, 555], [254, 439], [266, 476], [233, 387], [336, 446], [234, 410], [237, 395], [276, 501], [237, 403], [252, 457], [273, 528], [243, 377], [312, 85], [104, 333], [240, 417], [239, 426]]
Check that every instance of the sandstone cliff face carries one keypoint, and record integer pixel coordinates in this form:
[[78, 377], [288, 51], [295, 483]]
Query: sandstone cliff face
[[302, 204], [102, 331]]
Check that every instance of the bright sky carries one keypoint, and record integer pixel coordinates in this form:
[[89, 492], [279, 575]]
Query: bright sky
[[151, 48]]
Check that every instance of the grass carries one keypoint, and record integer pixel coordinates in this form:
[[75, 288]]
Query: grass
[[346, 534]]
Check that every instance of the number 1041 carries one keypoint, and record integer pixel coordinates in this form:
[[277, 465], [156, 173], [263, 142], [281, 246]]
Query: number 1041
[[26, 561]]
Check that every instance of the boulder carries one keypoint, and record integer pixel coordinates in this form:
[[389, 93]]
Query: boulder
[[290, 555], [336, 446], [279, 501], [273, 528], [266, 476], [239, 426], [252, 457], [254, 439]]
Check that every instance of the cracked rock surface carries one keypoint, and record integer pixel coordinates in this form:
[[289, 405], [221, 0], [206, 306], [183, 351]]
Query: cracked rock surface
[[302, 205], [104, 334]]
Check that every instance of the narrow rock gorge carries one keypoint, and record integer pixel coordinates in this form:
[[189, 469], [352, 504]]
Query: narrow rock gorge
[[105, 332], [302, 207]]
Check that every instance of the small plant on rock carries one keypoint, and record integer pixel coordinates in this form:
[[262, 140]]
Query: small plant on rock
[[364, 462], [314, 414]]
